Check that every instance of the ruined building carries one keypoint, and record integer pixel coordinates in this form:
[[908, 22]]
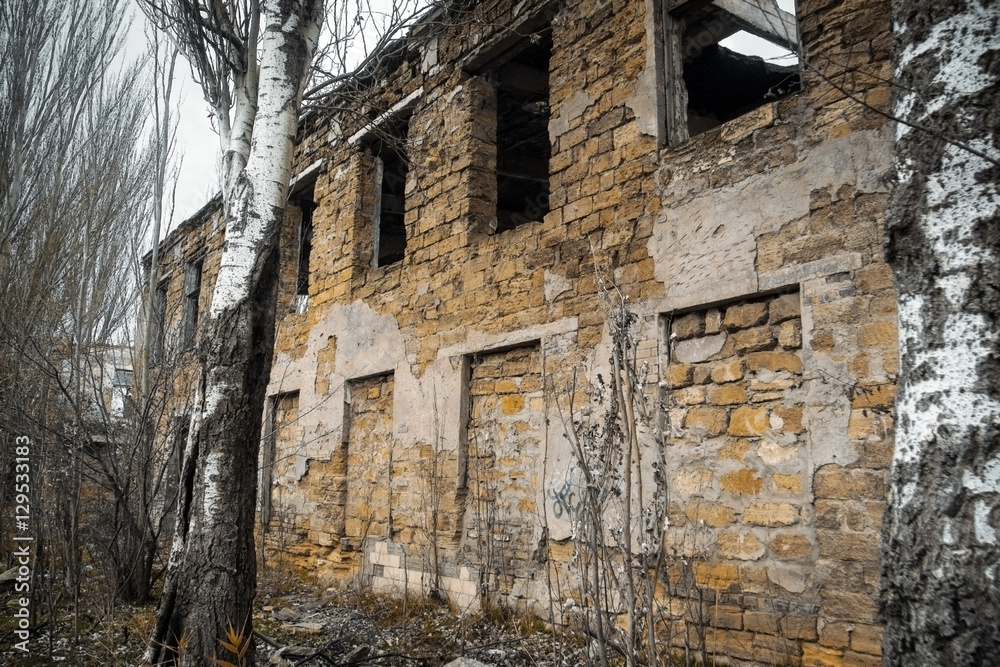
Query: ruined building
[[459, 233]]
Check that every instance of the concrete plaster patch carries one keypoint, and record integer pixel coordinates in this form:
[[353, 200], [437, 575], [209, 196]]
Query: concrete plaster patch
[[367, 343], [773, 453], [828, 411], [642, 103], [706, 249], [480, 341], [793, 275], [790, 577], [555, 286], [572, 108]]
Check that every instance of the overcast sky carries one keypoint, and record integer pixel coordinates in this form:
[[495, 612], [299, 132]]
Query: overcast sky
[[198, 144]]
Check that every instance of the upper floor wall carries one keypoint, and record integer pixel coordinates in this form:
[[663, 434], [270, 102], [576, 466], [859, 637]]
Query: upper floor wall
[[536, 142], [511, 163], [455, 230]]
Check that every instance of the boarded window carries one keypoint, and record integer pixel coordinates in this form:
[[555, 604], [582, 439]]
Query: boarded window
[[280, 444], [368, 426], [505, 432]]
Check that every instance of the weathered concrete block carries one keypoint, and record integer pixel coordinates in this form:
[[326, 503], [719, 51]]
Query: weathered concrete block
[[748, 421], [697, 350], [745, 315]]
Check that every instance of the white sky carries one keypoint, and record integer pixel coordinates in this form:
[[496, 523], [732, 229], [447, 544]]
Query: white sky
[[745, 43], [197, 143]]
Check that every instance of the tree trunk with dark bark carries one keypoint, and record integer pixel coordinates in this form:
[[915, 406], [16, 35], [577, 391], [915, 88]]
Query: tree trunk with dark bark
[[211, 575], [941, 542], [214, 584]]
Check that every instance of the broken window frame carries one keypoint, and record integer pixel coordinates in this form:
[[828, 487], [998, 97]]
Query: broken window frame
[[731, 16], [192, 298]]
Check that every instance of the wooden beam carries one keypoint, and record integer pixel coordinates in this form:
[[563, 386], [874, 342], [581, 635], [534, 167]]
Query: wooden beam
[[764, 19]]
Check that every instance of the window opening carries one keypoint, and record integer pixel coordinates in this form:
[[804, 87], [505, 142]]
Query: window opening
[[522, 141], [121, 391], [391, 169], [192, 292], [306, 206], [726, 58], [159, 320]]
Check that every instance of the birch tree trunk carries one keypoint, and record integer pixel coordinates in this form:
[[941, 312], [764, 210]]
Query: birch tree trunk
[[941, 600], [211, 576]]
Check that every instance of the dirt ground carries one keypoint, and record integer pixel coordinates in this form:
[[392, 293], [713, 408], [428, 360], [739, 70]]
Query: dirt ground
[[306, 626]]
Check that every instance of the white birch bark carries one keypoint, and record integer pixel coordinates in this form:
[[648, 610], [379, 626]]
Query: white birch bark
[[941, 600]]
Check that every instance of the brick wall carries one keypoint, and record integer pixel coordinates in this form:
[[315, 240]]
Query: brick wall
[[505, 437], [759, 241]]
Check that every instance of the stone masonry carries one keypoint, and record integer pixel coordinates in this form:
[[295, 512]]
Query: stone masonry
[[446, 257]]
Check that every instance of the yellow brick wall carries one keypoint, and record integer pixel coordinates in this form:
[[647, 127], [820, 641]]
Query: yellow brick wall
[[768, 228]]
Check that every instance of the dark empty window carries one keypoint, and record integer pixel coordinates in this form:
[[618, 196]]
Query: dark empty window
[[523, 147], [306, 205], [192, 293], [391, 168], [159, 307], [725, 58]]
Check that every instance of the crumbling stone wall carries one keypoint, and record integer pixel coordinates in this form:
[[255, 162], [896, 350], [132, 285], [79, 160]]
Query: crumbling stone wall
[[752, 255], [505, 436], [367, 511], [741, 507]]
